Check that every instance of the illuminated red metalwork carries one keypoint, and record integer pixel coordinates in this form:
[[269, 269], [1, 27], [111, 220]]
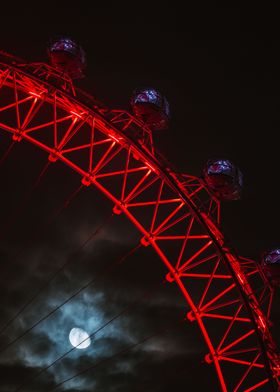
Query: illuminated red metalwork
[[175, 213]]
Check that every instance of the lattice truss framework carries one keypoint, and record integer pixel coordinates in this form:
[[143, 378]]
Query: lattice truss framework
[[227, 296]]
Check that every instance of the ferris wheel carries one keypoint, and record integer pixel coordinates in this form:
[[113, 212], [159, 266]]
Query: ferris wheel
[[177, 214]]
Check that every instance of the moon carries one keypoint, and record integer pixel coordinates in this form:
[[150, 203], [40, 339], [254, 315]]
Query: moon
[[79, 338]]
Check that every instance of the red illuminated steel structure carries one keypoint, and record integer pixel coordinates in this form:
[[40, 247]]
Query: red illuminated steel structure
[[228, 297]]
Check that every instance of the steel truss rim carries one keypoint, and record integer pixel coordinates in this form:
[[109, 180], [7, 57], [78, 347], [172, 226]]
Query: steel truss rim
[[167, 178]]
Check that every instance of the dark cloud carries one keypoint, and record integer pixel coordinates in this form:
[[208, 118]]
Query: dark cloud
[[92, 308]]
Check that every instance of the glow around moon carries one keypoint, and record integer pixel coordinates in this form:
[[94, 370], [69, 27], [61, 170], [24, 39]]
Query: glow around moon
[[79, 338]]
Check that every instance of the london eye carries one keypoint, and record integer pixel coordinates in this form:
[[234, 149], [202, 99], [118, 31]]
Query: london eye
[[228, 298]]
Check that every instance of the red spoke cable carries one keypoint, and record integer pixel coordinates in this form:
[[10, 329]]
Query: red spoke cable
[[121, 352], [64, 205], [38, 231], [147, 294], [24, 202], [108, 269], [7, 152], [55, 274]]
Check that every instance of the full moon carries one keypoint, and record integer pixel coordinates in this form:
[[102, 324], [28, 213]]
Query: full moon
[[79, 338]]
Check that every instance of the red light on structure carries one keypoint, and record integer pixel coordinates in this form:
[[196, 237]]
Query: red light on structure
[[34, 94], [190, 316], [145, 241], [150, 166], [52, 157], [169, 277], [117, 210], [113, 137], [208, 358], [76, 114], [240, 278], [87, 180], [262, 321]]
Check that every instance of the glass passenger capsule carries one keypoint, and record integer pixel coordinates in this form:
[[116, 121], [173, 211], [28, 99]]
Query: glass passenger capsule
[[67, 56], [224, 179], [270, 263], [151, 107]]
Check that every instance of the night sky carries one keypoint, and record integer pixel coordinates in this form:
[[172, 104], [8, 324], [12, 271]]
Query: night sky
[[219, 69]]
